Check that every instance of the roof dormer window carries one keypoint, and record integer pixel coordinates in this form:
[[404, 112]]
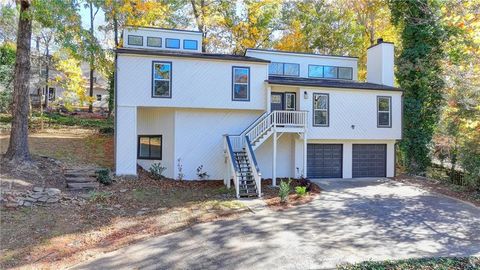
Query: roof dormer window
[[154, 42], [284, 69], [330, 72], [135, 40], [189, 44], [172, 43]]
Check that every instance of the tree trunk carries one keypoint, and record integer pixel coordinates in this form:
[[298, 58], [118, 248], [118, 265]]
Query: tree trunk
[[18, 146], [90, 106], [47, 73]]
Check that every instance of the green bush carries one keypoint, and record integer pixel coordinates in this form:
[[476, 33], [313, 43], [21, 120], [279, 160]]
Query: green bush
[[5, 101], [106, 130], [301, 191], [284, 190], [157, 170], [103, 176]]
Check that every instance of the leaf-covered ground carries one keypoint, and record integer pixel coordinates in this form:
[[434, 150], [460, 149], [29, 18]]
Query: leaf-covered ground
[[418, 264]]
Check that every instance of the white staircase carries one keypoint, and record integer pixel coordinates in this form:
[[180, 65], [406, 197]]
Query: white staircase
[[239, 149]]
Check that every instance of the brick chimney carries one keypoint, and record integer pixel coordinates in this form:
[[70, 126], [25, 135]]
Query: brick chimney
[[380, 63]]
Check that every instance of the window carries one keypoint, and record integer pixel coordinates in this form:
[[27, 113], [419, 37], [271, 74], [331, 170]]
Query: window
[[320, 109], [284, 69], [99, 97], [241, 83], [135, 40], [384, 112], [330, 72], [150, 147], [154, 42], [345, 73], [162, 79], [275, 69], [172, 43], [190, 44], [315, 71], [291, 69], [51, 93], [290, 103]]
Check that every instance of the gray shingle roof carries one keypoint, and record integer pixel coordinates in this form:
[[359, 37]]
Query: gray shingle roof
[[297, 81], [230, 57]]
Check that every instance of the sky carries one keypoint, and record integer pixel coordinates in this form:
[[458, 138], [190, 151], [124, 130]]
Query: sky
[[99, 21]]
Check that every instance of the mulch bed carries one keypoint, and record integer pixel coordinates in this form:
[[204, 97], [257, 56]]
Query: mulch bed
[[271, 198], [465, 194]]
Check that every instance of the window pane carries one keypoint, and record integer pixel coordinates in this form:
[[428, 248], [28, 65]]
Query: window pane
[[291, 101], [155, 147], [321, 102], [315, 71], [172, 43], [277, 99], [135, 40], [144, 146], [320, 117], [161, 88], [384, 119], [275, 69], [190, 44], [241, 75], [330, 72], [162, 71], [292, 69], [154, 42], [345, 73], [240, 91], [384, 104]]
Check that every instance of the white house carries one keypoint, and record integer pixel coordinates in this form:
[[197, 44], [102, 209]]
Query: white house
[[265, 114]]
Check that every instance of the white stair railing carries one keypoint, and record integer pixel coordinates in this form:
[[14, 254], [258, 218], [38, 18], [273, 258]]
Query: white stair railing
[[247, 140]]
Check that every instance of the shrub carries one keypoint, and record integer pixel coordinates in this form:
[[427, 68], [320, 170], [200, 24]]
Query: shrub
[[157, 170], [284, 190], [301, 191], [106, 130], [103, 176], [181, 175], [201, 174], [5, 101], [304, 182]]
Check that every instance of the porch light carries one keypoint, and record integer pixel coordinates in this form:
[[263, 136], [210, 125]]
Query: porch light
[[353, 126], [305, 95]]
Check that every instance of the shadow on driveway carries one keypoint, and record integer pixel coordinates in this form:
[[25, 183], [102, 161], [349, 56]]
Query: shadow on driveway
[[353, 220]]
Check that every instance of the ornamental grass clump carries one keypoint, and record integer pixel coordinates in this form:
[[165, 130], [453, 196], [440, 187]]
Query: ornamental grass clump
[[301, 191], [284, 190]]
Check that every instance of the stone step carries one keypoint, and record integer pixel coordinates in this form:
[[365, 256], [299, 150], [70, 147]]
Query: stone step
[[80, 174], [80, 179], [80, 186]]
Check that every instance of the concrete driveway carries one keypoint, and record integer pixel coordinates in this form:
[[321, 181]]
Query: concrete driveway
[[353, 220]]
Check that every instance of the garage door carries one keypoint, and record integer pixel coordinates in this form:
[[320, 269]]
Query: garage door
[[369, 160], [324, 160]]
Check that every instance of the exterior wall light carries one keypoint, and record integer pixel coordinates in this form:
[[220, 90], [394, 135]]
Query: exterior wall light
[[305, 95]]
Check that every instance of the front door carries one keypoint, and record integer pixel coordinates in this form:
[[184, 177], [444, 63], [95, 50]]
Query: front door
[[277, 102]]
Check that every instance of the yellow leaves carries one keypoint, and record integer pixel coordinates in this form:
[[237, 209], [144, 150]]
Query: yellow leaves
[[70, 78]]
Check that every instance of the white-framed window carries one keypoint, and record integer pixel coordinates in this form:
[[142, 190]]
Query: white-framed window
[[320, 110], [290, 101], [162, 79], [384, 112], [240, 83]]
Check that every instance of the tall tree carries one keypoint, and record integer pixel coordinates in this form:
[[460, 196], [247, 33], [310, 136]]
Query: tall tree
[[419, 74], [93, 8], [18, 146]]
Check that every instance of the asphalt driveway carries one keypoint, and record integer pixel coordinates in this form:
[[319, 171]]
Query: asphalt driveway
[[353, 220]]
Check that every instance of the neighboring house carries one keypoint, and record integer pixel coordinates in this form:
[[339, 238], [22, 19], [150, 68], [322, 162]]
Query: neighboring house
[[266, 114], [56, 93]]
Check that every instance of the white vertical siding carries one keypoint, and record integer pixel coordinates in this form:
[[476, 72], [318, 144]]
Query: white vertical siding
[[159, 121], [126, 141], [285, 156], [199, 138]]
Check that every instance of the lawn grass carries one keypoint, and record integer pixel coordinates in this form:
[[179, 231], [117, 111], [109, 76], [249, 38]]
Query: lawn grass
[[445, 263]]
